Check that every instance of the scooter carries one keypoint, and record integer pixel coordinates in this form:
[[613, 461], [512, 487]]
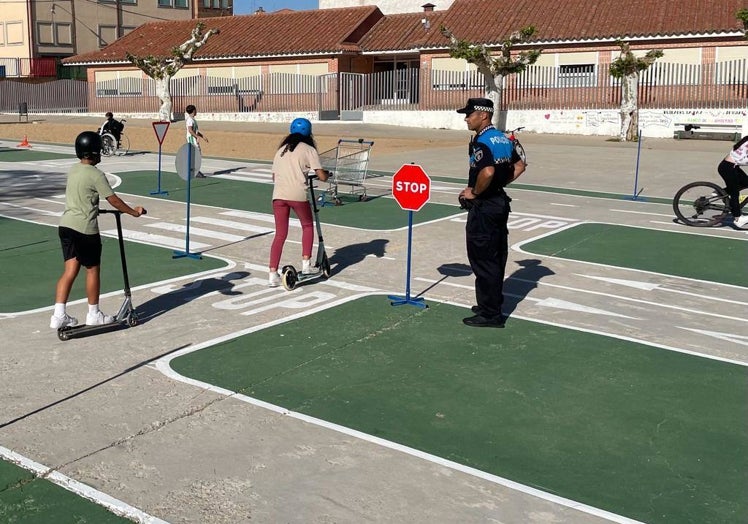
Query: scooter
[[126, 315], [290, 278]]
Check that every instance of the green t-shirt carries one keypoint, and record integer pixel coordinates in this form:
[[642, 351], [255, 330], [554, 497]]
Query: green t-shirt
[[85, 185]]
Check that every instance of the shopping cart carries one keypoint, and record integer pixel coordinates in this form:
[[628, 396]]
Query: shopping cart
[[348, 164]]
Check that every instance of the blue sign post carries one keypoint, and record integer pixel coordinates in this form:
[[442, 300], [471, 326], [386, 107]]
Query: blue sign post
[[188, 162], [411, 188], [160, 128]]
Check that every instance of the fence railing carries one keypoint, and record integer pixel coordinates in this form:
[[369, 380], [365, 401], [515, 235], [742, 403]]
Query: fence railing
[[709, 86], [44, 67]]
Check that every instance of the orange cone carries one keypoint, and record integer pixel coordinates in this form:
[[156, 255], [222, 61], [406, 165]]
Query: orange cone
[[25, 142]]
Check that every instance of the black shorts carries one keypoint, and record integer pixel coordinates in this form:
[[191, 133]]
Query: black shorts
[[85, 248]]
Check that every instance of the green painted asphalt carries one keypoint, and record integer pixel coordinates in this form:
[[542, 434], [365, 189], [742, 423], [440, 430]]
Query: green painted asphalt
[[25, 498], [31, 263], [29, 155], [377, 213], [701, 257], [651, 434]]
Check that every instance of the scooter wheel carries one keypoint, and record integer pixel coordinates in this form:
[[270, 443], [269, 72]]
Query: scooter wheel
[[63, 334], [132, 320], [289, 278], [325, 266]]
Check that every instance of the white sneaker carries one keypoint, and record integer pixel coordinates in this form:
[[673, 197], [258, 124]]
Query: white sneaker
[[274, 279], [306, 266], [64, 321], [98, 319], [741, 221]]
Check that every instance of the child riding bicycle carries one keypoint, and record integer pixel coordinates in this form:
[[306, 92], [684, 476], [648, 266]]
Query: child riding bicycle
[[735, 178]]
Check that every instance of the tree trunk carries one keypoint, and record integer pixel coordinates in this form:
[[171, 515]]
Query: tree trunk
[[629, 87], [163, 91], [493, 86]]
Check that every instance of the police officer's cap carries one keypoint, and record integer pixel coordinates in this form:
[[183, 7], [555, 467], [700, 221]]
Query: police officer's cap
[[477, 104]]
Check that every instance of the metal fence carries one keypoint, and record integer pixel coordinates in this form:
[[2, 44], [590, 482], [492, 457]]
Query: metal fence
[[709, 86], [44, 67]]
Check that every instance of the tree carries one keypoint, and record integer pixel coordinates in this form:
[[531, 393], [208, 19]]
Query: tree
[[494, 69], [163, 69], [627, 68], [742, 15]]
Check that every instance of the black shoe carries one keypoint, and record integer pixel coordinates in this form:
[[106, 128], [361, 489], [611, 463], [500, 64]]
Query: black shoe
[[475, 309], [480, 321]]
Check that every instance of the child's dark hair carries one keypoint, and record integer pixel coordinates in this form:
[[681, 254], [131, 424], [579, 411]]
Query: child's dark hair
[[740, 143], [189, 109], [293, 140]]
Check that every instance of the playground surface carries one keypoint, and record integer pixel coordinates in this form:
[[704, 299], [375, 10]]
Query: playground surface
[[617, 392]]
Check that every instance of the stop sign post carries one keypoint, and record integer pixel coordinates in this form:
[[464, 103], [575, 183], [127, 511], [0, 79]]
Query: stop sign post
[[411, 188]]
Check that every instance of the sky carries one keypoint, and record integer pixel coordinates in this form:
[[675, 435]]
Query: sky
[[245, 7]]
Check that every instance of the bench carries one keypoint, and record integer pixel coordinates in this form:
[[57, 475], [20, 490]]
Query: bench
[[730, 132]]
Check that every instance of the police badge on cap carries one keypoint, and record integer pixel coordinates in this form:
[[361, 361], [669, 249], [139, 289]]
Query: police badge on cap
[[477, 104]]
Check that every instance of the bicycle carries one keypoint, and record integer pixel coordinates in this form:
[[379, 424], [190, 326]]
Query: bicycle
[[109, 145], [511, 135], [703, 204]]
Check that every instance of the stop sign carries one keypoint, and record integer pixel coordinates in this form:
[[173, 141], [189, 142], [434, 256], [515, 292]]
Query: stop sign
[[411, 187]]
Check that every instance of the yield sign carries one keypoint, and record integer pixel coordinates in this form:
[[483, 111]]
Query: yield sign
[[160, 129]]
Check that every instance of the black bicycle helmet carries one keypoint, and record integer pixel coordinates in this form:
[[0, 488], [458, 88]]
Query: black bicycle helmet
[[88, 144]]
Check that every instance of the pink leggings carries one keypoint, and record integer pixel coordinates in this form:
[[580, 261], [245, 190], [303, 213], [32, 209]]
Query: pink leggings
[[282, 212]]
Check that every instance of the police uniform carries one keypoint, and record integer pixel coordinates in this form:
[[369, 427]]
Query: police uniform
[[486, 231]]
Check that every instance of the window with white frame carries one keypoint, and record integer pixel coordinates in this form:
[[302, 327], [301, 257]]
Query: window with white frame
[[454, 73], [180, 4], [577, 75], [118, 83], [296, 78]]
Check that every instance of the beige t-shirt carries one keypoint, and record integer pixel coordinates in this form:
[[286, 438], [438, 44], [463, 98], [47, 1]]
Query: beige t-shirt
[[86, 184], [290, 169]]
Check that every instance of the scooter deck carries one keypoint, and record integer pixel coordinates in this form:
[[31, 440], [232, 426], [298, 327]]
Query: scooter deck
[[85, 330]]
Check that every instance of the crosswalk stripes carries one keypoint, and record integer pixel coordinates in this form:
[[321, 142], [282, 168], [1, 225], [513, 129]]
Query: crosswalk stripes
[[172, 234]]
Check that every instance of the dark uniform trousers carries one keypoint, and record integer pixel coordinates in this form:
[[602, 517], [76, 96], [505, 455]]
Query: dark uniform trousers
[[486, 234]]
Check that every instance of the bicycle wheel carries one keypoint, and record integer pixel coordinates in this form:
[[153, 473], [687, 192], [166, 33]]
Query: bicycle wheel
[[124, 145], [701, 204], [108, 144]]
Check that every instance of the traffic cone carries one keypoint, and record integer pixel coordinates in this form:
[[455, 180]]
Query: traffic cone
[[25, 142]]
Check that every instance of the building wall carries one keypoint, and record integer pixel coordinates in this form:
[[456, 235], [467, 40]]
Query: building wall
[[388, 7], [61, 28], [14, 31]]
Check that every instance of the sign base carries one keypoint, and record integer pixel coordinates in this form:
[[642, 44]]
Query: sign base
[[396, 300], [183, 254]]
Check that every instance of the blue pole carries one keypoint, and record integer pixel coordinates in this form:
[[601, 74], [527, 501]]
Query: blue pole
[[398, 300], [410, 241], [638, 156], [190, 169], [158, 191]]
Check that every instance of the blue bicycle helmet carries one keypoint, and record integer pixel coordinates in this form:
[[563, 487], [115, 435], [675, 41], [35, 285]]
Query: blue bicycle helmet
[[301, 126]]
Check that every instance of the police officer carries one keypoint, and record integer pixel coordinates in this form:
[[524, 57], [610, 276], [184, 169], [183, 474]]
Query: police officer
[[493, 165]]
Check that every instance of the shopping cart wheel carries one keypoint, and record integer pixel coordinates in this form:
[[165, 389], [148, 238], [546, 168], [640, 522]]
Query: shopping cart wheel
[[338, 202], [363, 198]]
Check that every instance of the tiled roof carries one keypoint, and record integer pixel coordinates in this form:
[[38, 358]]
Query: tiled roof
[[355, 29], [490, 21], [322, 31]]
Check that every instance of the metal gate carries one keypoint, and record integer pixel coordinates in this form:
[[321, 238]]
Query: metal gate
[[352, 96], [327, 97]]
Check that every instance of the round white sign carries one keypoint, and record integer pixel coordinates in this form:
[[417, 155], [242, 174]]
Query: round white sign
[[186, 155]]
